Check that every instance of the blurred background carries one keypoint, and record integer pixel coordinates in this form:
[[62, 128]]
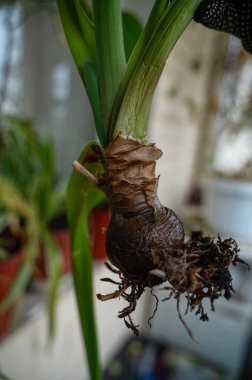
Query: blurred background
[[201, 119]]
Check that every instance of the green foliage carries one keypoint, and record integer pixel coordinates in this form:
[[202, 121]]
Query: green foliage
[[100, 74], [167, 22], [110, 54], [82, 197], [14, 206], [3, 376], [27, 161], [79, 32], [92, 88], [157, 11], [125, 92], [19, 144], [132, 29]]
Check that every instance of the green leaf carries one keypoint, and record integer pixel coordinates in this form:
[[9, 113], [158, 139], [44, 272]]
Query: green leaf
[[110, 52], [85, 22], [132, 29], [82, 197], [131, 113], [92, 87], [13, 202], [153, 19], [53, 254], [79, 32], [4, 377], [19, 144]]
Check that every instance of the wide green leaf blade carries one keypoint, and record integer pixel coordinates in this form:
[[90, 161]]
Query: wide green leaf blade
[[82, 197], [85, 22], [132, 29], [92, 87], [79, 32], [110, 53]]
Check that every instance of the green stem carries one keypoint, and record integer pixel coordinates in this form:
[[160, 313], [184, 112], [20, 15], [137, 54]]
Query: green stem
[[82, 197], [110, 51], [131, 116], [153, 19]]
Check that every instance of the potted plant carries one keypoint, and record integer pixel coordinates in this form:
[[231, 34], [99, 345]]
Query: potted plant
[[98, 224], [18, 249], [27, 161], [144, 253]]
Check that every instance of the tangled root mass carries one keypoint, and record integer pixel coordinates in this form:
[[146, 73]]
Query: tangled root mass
[[199, 270]]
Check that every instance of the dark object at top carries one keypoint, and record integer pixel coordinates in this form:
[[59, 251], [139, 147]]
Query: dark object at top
[[230, 16]]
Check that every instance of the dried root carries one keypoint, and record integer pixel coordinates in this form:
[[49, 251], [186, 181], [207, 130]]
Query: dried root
[[129, 289], [199, 270]]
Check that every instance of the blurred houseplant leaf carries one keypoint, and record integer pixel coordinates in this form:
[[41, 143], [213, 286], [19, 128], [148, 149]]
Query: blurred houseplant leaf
[[12, 202]]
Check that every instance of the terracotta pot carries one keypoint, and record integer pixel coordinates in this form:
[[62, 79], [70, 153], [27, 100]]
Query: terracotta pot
[[62, 239], [8, 272], [98, 223]]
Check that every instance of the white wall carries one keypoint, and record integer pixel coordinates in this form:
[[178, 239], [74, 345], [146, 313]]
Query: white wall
[[178, 110]]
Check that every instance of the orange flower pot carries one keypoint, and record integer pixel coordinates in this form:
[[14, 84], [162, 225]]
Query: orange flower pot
[[98, 223], [62, 239], [8, 271]]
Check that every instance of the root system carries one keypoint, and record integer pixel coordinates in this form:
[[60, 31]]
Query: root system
[[145, 241]]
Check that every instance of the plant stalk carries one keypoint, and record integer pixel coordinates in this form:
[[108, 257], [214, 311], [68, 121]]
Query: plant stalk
[[156, 13], [79, 205], [131, 116]]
